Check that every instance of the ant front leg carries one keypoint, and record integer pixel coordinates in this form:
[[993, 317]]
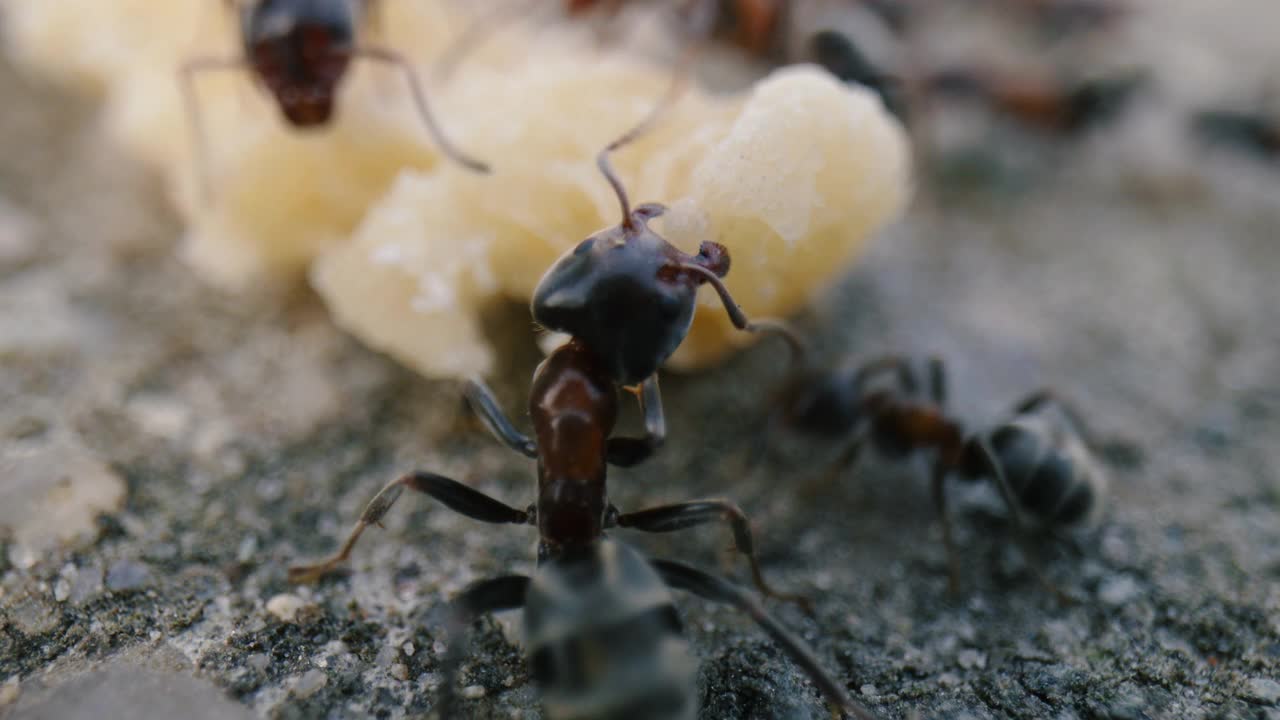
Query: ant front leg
[[710, 587], [455, 496], [669, 518], [628, 451], [191, 104], [477, 600], [484, 404], [395, 59]]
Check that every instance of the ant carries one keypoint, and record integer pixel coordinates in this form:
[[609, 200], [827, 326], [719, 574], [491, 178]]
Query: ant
[[1252, 132], [592, 597], [1055, 107], [603, 637], [300, 51], [1040, 459]]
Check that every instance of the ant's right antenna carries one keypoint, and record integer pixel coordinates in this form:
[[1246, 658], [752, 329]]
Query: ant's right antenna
[[679, 79]]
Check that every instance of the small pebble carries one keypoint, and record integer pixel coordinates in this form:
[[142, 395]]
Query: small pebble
[[127, 575], [473, 692], [1263, 690], [948, 680], [309, 683], [258, 661], [400, 672], [86, 584], [286, 606], [408, 649], [61, 590], [1117, 591], [869, 690]]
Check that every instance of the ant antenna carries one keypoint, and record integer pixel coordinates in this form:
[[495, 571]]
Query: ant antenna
[[679, 80]]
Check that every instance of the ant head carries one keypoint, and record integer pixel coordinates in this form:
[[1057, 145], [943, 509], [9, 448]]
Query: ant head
[[627, 294], [300, 51]]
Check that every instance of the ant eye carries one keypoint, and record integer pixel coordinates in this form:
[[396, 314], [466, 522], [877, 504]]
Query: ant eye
[[583, 247]]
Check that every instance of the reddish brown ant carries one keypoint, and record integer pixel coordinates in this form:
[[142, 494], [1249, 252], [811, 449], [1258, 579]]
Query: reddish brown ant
[[1041, 459], [300, 51], [1056, 107], [592, 597]]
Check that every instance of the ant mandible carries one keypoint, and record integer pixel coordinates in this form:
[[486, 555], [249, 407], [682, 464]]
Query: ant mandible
[[592, 597], [300, 51], [1041, 459]]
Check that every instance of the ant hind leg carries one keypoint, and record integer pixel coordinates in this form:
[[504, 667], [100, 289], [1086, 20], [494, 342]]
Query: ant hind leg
[[710, 587], [477, 600]]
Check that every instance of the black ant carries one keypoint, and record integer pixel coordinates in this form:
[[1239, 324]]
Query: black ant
[[300, 51], [1041, 459], [592, 597], [603, 637], [1252, 132]]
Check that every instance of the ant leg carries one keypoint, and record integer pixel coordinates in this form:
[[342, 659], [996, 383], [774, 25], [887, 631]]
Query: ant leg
[[393, 58], [799, 351], [477, 600], [898, 364], [846, 458], [939, 490], [195, 124], [484, 404], [938, 380], [669, 518], [455, 496], [710, 587], [628, 451]]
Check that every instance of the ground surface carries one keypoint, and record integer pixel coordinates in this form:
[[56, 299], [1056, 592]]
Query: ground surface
[[224, 437]]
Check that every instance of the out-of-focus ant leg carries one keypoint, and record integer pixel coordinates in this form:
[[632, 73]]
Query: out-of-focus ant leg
[[394, 59], [898, 364], [939, 490], [937, 380], [843, 461], [710, 587], [453, 494], [628, 451], [477, 600], [484, 404], [670, 518], [195, 123]]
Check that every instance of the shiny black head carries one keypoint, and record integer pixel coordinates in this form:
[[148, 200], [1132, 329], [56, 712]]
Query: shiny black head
[[604, 639], [627, 294], [300, 49]]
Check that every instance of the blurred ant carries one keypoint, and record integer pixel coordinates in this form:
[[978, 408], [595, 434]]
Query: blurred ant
[[1063, 108], [300, 51], [603, 637], [1040, 459], [1252, 132]]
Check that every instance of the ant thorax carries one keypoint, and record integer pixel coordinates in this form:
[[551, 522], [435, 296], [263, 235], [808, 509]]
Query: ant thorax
[[300, 49], [627, 294]]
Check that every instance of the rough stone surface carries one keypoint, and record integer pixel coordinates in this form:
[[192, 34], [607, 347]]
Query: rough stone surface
[[1155, 311]]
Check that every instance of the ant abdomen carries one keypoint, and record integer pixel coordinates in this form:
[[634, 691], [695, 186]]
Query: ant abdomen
[[1051, 474], [605, 639]]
